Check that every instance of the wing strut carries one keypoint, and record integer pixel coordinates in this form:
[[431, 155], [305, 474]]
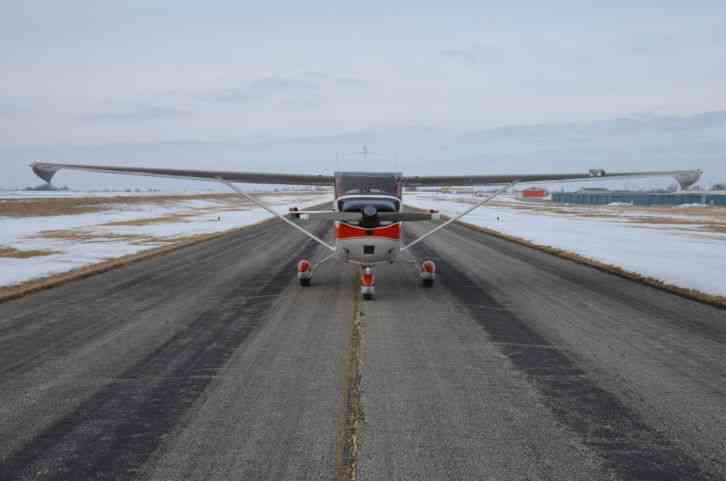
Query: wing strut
[[269, 209], [454, 219]]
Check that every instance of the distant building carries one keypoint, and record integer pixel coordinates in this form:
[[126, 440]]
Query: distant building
[[533, 193], [590, 190], [639, 198]]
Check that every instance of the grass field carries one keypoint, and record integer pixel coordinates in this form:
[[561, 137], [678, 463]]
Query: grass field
[[689, 218], [50, 236], [13, 253], [52, 206]]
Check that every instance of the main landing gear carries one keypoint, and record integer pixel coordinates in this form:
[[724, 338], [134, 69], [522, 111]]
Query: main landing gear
[[367, 278], [304, 272], [305, 269], [428, 273]]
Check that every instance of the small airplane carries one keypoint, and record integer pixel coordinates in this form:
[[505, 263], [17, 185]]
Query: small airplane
[[367, 210]]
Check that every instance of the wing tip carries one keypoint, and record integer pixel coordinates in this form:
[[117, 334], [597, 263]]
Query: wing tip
[[43, 170]]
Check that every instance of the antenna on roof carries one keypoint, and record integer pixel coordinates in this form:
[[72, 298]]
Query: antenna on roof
[[365, 153]]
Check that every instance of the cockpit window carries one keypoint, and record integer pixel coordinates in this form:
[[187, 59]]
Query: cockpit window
[[369, 190], [357, 204]]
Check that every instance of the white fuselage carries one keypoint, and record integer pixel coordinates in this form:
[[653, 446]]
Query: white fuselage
[[368, 245]]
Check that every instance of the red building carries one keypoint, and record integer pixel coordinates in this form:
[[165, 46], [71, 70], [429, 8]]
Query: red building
[[533, 193]]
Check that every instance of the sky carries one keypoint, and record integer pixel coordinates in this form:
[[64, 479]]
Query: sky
[[147, 81]]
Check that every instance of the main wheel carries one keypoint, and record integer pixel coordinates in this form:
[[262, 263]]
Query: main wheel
[[305, 282], [427, 282]]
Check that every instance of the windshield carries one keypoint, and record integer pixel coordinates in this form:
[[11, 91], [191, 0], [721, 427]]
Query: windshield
[[358, 203]]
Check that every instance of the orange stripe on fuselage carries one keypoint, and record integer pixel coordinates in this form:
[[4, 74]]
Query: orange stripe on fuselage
[[347, 231]]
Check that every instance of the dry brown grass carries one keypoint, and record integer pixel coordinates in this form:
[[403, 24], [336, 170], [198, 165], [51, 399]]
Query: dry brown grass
[[668, 221], [153, 221], [614, 209], [174, 218], [86, 236], [41, 207], [21, 290], [702, 219], [716, 228], [712, 212], [136, 239], [11, 252]]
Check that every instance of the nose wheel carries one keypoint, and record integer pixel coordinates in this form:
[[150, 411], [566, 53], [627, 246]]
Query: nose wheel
[[367, 284]]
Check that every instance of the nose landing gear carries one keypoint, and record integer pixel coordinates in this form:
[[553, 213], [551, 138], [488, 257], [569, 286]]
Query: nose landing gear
[[367, 284]]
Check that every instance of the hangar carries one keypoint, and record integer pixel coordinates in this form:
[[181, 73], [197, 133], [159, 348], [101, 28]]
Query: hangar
[[604, 197]]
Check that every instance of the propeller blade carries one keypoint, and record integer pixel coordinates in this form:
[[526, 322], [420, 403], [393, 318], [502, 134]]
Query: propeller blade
[[406, 216]]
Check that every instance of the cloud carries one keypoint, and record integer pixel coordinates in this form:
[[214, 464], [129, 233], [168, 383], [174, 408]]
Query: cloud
[[137, 114], [282, 84], [675, 39], [665, 44], [473, 55], [351, 82], [316, 75], [264, 89], [459, 54], [13, 105]]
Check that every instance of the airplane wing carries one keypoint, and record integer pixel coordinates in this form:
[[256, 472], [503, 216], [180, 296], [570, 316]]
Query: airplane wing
[[46, 171], [684, 177]]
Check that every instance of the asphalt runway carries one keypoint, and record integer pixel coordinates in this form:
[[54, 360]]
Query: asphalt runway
[[213, 363]]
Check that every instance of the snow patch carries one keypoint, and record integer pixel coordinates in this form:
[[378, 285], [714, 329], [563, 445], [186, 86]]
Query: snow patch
[[104, 241], [685, 258]]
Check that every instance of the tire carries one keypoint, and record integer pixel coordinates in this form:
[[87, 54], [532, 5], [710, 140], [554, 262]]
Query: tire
[[305, 282], [428, 282], [368, 297]]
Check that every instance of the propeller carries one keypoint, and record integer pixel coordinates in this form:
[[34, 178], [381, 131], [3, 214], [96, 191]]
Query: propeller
[[370, 211], [371, 214]]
